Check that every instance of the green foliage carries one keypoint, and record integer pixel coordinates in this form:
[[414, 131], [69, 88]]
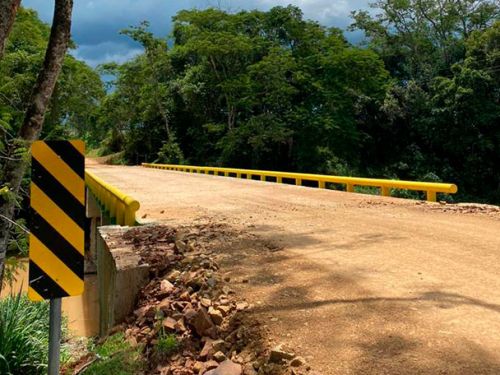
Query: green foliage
[[116, 356], [440, 116], [167, 344], [420, 39], [71, 114], [170, 153], [112, 345], [77, 94], [271, 90], [24, 331], [244, 90]]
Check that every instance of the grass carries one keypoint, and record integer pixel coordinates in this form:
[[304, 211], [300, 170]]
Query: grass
[[117, 357], [24, 335], [167, 344]]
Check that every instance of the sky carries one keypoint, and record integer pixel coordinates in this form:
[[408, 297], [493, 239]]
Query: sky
[[96, 23]]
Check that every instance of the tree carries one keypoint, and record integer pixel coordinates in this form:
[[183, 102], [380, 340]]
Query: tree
[[250, 89], [419, 39], [8, 10], [15, 166], [438, 120]]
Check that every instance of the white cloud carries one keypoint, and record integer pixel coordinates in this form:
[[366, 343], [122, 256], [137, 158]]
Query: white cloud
[[105, 52], [96, 24], [323, 11]]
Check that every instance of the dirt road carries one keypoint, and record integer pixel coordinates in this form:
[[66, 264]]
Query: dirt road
[[356, 284]]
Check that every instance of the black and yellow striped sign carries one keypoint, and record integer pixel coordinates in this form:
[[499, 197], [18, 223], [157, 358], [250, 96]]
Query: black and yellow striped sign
[[57, 220]]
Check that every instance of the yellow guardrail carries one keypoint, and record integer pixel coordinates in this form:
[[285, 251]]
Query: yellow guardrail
[[120, 207], [431, 188]]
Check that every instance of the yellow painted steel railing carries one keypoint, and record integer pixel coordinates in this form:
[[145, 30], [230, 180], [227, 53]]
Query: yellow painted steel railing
[[120, 207], [431, 188]]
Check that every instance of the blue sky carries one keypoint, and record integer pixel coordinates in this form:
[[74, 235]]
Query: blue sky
[[96, 23]]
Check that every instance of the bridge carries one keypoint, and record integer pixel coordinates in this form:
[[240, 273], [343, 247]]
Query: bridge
[[359, 284]]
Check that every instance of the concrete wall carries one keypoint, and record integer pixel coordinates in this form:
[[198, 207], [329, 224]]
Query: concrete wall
[[120, 277]]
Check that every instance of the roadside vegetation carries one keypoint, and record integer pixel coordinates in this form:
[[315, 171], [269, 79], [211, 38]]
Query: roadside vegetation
[[24, 336], [114, 356]]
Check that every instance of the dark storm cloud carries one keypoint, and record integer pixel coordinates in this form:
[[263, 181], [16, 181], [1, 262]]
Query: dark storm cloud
[[96, 24]]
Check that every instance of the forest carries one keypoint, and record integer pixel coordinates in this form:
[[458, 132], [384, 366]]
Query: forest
[[416, 99]]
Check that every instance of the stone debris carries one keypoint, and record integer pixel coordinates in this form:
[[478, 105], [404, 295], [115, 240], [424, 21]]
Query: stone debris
[[278, 355], [226, 368], [467, 208], [297, 362], [188, 298], [220, 356]]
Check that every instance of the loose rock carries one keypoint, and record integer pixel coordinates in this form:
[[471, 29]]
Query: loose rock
[[278, 355], [226, 368]]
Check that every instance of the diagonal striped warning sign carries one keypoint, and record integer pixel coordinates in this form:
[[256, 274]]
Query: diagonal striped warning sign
[[57, 220]]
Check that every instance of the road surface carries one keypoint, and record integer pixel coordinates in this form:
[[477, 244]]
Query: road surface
[[359, 284]]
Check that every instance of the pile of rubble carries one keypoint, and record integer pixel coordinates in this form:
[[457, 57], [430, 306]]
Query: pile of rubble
[[188, 298], [468, 208]]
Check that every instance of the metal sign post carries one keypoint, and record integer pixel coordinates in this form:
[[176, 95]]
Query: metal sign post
[[57, 235], [55, 336]]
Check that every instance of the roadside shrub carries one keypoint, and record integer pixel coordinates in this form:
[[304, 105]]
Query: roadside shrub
[[24, 336], [170, 153]]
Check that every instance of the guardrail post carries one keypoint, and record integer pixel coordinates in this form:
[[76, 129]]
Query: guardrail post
[[385, 191], [249, 176], [279, 180], [263, 178], [349, 188], [431, 196], [322, 184], [238, 175], [298, 181]]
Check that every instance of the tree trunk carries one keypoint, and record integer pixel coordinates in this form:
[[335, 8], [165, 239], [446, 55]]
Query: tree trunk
[[8, 10], [15, 168]]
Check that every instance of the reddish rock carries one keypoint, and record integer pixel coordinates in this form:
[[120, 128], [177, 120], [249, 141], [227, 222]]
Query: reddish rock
[[205, 302], [185, 296], [166, 286], [208, 366], [240, 306], [164, 305], [219, 356], [278, 354], [180, 326], [173, 275], [215, 315], [207, 349], [169, 323], [202, 323], [224, 309], [145, 312], [297, 362], [226, 368]]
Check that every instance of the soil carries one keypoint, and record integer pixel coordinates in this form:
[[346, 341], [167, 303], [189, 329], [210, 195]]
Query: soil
[[356, 284]]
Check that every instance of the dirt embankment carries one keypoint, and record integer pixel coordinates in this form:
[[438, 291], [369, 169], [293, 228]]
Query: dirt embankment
[[188, 319]]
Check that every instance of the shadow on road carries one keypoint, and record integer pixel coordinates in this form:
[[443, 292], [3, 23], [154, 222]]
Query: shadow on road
[[343, 327]]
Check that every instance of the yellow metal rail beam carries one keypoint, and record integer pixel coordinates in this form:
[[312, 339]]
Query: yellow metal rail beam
[[431, 188], [121, 207]]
